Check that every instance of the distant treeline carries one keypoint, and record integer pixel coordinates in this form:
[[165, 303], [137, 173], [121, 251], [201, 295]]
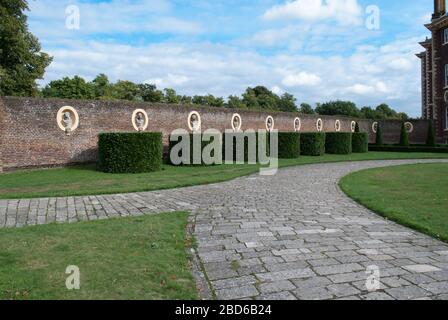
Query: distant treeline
[[257, 98]]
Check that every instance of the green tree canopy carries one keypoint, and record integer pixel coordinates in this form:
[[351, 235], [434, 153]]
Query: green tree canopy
[[67, 88], [306, 108], [340, 108], [125, 90], [21, 59]]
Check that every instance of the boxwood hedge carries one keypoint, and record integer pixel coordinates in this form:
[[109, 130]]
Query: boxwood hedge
[[288, 145], [130, 152], [312, 144], [195, 139], [360, 142], [242, 140], [338, 143], [397, 148]]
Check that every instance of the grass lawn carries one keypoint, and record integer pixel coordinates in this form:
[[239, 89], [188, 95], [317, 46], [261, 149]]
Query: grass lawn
[[125, 258], [85, 180], [412, 195]]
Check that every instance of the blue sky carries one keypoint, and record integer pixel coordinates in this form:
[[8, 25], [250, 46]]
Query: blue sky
[[318, 50]]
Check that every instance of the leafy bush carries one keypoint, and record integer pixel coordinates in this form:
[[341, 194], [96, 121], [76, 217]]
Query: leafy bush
[[360, 142], [130, 152], [379, 135], [395, 148], [288, 145], [312, 144], [195, 155], [404, 136], [431, 136], [242, 141], [338, 143]]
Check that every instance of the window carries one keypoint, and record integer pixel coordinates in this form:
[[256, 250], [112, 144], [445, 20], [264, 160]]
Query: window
[[446, 75], [445, 36]]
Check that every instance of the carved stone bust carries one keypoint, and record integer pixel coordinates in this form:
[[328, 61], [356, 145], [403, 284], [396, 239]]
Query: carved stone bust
[[194, 121], [67, 119], [297, 124], [67, 122], [236, 122], [269, 123], [140, 121]]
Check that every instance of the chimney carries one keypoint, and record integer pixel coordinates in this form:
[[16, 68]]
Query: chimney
[[439, 9]]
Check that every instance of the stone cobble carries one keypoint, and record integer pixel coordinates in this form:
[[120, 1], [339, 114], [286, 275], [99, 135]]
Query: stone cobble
[[293, 235]]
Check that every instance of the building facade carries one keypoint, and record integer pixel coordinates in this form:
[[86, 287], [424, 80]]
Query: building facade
[[434, 64]]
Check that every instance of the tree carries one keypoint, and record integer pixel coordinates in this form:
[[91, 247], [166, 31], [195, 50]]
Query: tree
[[125, 90], [171, 96], [235, 103], [383, 111], [306, 108], [186, 100], [67, 88], [102, 87], [431, 136], [250, 99], [404, 136], [379, 136], [149, 93], [212, 101], [340, 108], [199, 100], [21, 59], [368, 113], [287, 103]]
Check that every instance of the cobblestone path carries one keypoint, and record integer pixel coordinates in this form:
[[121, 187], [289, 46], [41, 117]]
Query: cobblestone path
[[294, 235]]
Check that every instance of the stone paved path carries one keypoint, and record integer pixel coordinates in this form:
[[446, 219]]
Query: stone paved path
[[291, 236]]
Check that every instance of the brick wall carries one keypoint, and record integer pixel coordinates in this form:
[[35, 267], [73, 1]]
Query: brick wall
[[30, 136]]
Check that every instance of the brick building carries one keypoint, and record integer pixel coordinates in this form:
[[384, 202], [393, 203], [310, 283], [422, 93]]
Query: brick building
[[434, 62]]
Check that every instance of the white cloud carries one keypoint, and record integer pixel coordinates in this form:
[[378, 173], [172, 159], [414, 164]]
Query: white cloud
[[277, 90], [346, 12], [361, 89], [301, 79]]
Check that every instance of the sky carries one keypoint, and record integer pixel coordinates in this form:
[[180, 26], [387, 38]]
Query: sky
[[318, 50]]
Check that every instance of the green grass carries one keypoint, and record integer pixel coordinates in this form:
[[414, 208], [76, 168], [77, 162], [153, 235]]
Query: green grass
[[412, 195], [85, 180], [124, 258]]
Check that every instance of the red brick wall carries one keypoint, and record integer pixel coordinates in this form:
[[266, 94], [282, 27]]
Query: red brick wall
[[30, 136]]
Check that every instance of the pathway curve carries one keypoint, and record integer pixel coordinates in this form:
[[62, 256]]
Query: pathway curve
[[291, 236]]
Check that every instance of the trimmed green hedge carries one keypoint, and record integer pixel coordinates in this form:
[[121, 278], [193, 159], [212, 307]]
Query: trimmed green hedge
[[338, 143], [190, 159], [312, 144], [431, 135], [395, 148], [239, 138], [404, 136], [360, 142], [130, 152], [288, 145]]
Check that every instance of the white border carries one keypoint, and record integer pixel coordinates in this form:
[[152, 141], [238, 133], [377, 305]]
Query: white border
[[337, 125], [411, 127], [321, 125], [199, 120], [60, 114], [353, 126], [300, 124], [134, 116], [273, 123], [236, 115], [375, 124]]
